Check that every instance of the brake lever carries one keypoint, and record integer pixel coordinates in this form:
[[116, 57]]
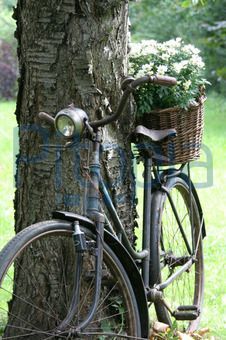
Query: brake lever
[[47, 118]]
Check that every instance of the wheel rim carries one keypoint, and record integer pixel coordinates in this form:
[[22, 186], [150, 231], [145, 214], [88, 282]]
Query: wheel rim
[[44, 289], [173, 253]]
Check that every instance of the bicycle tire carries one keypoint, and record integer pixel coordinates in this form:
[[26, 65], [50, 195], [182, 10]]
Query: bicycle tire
[[31, 273], [167, 245]]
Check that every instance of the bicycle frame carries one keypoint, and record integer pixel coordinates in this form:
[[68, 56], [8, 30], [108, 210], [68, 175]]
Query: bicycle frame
[[95, 192], [135, 265], [120, 231], [96, 186]]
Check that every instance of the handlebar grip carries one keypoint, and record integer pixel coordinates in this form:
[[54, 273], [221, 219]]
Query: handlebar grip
[[163, 80], [46, 117]]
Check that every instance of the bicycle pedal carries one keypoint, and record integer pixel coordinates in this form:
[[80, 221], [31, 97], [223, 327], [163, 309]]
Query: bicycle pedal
[[190, 312]]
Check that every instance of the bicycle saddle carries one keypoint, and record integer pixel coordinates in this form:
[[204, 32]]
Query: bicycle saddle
[[148, 144], [154, 135]]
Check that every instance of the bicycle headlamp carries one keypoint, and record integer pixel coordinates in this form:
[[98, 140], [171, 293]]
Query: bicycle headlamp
[[70, 121]]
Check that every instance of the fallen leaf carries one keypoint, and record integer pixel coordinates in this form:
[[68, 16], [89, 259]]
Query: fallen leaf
[[160, 327], [153, 335], [196, 336], [184, 336], [203, 331]]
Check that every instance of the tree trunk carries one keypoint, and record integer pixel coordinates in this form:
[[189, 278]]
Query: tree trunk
[[70, 51]]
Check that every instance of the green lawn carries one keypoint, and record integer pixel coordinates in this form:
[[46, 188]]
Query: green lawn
[[7, 137], [213, 198], [209, 174]]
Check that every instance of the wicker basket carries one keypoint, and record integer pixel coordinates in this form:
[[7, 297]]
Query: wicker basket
[[189, 126]]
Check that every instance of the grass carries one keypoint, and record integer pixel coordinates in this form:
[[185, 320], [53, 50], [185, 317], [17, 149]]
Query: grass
[[211, 174], [213, 199], [7, 129]]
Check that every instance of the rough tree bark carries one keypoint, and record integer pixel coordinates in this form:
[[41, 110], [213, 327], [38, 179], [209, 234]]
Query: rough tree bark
[[70, 51]]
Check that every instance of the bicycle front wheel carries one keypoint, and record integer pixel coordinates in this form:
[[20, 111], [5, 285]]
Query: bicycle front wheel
[[175, 239], [37, 280]]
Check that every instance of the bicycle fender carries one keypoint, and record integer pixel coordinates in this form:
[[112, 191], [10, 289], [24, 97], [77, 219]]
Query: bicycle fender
[[135, 279], [71, 217], [125, 259]]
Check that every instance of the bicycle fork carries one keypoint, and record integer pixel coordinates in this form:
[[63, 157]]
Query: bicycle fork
[[82, 246]]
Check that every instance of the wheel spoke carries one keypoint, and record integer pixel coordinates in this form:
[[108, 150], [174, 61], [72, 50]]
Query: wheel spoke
[[36, 288], [179, 226]]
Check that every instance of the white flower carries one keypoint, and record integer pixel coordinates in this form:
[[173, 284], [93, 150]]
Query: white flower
[[135, 49], [190, 49], [173, 43], [131, 68], [145, 69], [172, 57], [179, 66], [162, 69], [179, 40], [146, 47], [150, 42], [172, 51], [140, 73], [165, 56], [187, 84], [149, 47], [167, 49], [196, 60]]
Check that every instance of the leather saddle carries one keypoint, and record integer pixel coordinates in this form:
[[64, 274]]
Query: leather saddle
[[155, 135], [148, 141]]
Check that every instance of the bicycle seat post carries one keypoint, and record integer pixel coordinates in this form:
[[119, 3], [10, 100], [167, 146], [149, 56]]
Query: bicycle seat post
[[147, 217]]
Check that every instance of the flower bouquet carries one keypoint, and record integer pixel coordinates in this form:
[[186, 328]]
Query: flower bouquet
[[180, 106]]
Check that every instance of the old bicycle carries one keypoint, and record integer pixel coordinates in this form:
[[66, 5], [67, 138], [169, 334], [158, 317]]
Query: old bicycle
[[95, 285]]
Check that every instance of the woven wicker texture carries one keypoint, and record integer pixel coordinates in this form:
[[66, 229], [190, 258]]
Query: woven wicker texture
[[189, 126]]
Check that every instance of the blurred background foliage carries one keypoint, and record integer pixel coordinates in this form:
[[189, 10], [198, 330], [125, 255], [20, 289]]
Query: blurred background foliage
[[8, 58], [200, 22]]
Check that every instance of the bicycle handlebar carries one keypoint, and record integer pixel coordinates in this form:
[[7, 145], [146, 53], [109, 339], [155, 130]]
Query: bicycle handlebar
[[128, 86], [45, 116]]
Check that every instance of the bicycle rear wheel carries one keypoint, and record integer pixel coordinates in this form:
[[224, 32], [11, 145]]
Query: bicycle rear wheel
[[37, 270], [169, 252]]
